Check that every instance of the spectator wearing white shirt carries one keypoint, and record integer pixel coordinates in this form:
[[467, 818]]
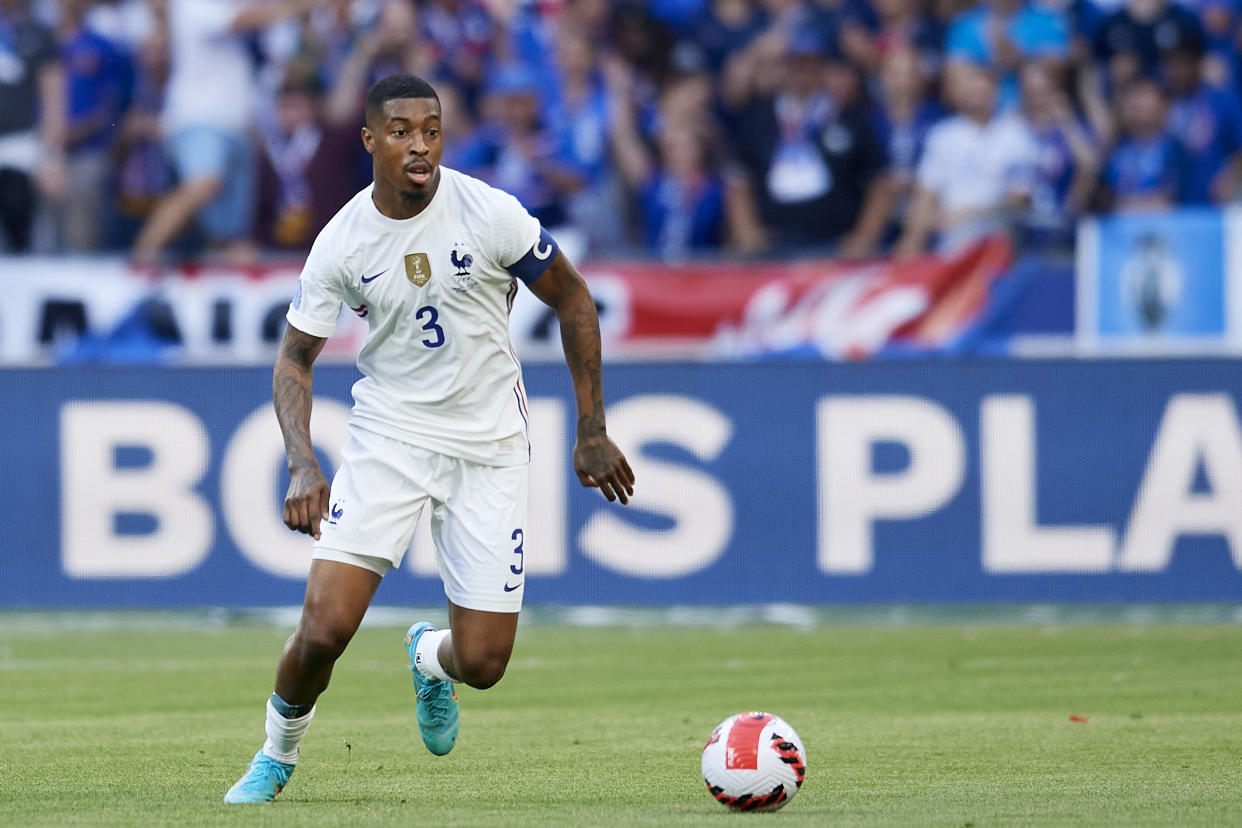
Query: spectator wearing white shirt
[[977, 169], [208, 107]]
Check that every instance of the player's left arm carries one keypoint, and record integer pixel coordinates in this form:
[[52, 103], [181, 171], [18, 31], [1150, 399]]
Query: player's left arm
[[597, 460]]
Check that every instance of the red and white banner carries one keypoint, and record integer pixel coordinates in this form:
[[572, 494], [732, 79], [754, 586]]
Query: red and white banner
[[834, 309], [818, 307]]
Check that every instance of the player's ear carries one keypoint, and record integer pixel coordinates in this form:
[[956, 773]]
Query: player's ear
[[368, 140]]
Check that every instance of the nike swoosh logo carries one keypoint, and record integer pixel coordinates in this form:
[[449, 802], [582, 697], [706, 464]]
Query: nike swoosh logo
[[511, 588], [542, 254], [376, 276]]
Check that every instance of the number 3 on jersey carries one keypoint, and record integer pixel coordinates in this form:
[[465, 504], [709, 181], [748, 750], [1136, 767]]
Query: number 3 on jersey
[[435, 334]]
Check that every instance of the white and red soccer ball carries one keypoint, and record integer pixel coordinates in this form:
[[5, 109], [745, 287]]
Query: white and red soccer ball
[[754, 762]]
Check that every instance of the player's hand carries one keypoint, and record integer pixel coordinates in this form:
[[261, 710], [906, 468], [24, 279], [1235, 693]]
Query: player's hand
[[601, 465], [306, 502]]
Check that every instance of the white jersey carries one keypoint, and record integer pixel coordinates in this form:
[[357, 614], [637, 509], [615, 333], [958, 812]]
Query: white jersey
[[438, 368]]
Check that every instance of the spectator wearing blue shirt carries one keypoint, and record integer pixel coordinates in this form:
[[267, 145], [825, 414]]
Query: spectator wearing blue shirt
[[903, 116], [513, 149], [1207, 120], [579, 113], [903, 24], [679, 192], [100, 78], [1127, 43], [1067, 161], [1148, 170], [724, 27], [458, 34], [1005, 34], [1220, 19]]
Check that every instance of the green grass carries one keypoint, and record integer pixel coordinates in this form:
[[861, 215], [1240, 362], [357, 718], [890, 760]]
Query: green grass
[[934, 726]]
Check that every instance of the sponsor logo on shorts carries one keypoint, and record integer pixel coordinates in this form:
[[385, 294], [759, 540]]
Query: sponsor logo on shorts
[[508, 588]]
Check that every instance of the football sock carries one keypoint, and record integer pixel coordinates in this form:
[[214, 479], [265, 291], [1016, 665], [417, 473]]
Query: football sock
[[289, 711], [427, 655], [283, 733]]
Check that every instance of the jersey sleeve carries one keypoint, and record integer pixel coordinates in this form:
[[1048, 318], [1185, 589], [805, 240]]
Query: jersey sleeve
[[519, 244], [317, 299]]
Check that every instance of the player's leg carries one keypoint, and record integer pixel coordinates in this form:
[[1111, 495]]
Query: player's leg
[[337, 596], [375, 506], [479, 536], [477, 646]]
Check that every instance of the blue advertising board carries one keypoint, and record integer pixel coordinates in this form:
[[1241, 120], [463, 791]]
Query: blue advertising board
[[929, 481]]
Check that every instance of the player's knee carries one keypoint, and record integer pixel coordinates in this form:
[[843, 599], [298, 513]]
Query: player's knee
[[482, 670], [322, 641]]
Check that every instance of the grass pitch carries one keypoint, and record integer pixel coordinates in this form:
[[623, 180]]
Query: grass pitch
[[963, 726]]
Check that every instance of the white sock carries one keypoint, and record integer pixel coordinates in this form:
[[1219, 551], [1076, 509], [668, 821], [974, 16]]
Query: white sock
[[283, 735], [427, 655]]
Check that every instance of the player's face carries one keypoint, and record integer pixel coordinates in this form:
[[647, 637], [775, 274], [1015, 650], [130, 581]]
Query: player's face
[[406, 144]]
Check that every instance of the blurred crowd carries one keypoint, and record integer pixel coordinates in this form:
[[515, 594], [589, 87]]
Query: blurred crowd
[[665, 128]]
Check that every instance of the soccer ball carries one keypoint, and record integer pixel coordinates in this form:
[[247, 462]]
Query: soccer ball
[[754, 762]]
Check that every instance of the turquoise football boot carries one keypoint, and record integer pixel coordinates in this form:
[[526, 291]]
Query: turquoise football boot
[[438, 718], [263, 779]]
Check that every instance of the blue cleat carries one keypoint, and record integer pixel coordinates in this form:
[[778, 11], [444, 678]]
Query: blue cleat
[[438, 719], [263, 779]]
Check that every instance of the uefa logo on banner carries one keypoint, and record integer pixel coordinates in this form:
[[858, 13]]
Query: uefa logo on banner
[[1158, 282]]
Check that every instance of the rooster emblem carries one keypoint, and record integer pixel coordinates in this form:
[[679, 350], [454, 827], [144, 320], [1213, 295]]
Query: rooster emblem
[[462, 264]]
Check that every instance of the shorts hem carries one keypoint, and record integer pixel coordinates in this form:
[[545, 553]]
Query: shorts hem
[[484, 605], [379, 566]]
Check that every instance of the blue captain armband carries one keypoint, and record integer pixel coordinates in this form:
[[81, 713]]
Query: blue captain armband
[[531, 266]]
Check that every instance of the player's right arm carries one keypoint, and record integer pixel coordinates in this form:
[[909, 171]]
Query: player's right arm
[[306, 502]]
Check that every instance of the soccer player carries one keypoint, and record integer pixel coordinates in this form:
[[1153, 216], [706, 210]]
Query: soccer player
[[431, 259]]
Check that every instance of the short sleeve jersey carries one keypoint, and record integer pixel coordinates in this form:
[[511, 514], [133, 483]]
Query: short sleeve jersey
[[436, 289]]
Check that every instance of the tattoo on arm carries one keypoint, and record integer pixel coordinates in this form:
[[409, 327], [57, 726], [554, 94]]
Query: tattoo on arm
[[291, 394], [579, 323]]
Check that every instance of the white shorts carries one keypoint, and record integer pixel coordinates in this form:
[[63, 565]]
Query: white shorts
[[478, 518]]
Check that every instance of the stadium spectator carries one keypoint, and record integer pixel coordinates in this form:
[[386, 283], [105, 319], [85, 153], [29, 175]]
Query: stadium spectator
[[1220, 21], [294, 204], [127, 23], [1005, 34], [904, 115], [100, 78], [207, 114], [813, 163], [142, 172], [1128, 40], [1068, 162], [32, 122], [1205, 119], [1149, 169], [903, 25], [679, 192], [390, 46], [458, 34], [578, 111], [726, 26], [975, 176], [512, 149]]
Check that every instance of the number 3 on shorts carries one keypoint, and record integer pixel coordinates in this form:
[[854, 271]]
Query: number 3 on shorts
[[436, 332], [516, 568]]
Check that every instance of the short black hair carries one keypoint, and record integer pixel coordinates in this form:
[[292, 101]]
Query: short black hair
[[393, 87]]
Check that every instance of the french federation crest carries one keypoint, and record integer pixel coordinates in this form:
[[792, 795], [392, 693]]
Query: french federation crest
[[462, 262], [417, 268]]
